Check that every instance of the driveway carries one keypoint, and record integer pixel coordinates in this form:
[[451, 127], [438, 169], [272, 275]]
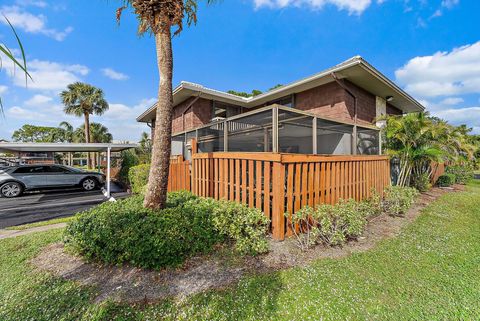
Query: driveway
[[41, 206]]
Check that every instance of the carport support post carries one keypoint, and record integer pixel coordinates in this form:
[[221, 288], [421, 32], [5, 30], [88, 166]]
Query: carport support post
[[108, 171]]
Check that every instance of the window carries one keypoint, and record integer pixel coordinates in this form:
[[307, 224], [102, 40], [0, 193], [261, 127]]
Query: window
[[210, 139], [30, 170], [224, 110], [56, 169], [287, 101]]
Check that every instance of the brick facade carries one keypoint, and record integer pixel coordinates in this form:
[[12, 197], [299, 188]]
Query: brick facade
[[329, 100]]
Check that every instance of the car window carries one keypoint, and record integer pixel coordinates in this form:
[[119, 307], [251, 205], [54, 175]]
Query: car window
[[56, 169], [30, 170]]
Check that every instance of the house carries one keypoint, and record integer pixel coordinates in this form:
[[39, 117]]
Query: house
[[333, 112]]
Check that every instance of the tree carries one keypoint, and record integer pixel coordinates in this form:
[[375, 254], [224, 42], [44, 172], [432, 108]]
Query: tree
[[38, 134], [144, 151], [82, 99], [67, 130], [98, 134], [419, 141], [159, 17], [255, 92]]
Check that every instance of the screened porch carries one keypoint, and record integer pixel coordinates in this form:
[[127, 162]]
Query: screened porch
[[280, 129]]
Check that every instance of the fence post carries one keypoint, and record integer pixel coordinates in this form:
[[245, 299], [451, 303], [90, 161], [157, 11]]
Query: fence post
[[278, 201]]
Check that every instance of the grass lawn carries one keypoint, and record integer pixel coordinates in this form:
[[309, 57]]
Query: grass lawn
[[430, 272]]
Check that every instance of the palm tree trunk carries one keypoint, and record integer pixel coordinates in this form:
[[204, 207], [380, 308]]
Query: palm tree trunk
[[156, 194], [87, 135]]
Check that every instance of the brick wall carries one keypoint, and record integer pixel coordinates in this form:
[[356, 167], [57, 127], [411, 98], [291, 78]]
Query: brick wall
[[392, 110], [200, 113]]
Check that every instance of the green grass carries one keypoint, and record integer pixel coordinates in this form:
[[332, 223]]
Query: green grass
[[429, 272], [38, 224]]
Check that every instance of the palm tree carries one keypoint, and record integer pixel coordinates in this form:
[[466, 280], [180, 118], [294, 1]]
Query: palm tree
[[159, 17], [98, 134], [9, 55], [67, 131], [82, 99]]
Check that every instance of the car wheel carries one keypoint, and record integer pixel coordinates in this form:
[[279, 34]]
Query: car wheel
[[11, 189], [89, 184]]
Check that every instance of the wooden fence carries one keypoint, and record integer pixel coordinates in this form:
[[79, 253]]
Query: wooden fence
[[282, 183], [179, 177]]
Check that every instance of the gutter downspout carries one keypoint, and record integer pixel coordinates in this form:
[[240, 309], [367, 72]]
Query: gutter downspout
[[355, 138], [188, 107]]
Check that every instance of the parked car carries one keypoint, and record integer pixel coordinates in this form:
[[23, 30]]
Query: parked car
[[17, 179]]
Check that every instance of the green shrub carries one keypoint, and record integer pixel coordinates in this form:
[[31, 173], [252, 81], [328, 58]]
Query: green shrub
[[246, 226], [398, 200], [125, 232], [129, 159], [179, 198], [331, 224], [138, 177], [462, 173], [446, 180], [421, 182]]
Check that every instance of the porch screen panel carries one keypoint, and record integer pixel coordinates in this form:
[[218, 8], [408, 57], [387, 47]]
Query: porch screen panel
[[367, 141], [178, 145], [295, 132], [210, 139], [251, 133], [334, 138]]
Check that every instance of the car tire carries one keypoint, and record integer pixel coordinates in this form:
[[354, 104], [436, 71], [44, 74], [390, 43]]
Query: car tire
[[89, 184], [11, 189]]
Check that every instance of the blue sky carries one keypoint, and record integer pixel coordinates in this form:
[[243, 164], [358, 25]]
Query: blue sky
[[429, 47]]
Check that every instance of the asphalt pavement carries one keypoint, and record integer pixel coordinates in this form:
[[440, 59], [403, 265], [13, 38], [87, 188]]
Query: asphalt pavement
[[46, 205]]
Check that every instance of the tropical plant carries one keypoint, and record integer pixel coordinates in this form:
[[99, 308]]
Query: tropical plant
[[144, 151], [82, 99], [22, 64], [159, 17], [420, 141], [68, 132], [98, 134]]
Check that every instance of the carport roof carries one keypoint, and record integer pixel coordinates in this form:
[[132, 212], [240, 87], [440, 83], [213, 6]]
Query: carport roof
[[62, 147]]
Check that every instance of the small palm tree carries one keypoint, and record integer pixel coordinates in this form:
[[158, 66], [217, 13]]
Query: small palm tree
[[82, 99], [67, 131], [159, 17], [98, 134]]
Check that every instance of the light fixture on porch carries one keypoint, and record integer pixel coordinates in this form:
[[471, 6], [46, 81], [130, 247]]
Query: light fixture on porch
[[389, 98]]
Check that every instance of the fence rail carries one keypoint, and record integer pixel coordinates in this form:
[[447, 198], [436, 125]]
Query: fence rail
[[282, 183]]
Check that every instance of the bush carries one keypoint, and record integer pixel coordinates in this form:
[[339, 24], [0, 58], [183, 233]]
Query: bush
[[398, 200], [129, 159], [331, 224], [138, 177], [246, 226], [462, 173], [446, 180], [125, 232], [421, 182]]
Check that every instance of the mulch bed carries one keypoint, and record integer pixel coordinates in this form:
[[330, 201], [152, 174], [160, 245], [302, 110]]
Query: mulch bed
[[198, 274]]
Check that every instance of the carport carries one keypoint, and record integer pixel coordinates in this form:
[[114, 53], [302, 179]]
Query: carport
[[17, 148]]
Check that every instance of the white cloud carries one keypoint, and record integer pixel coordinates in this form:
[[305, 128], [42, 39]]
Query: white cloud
[[25, 114], [38, 100], [352, 6], [451, 101], [3, 89], [33, 3], [458, 116], [48, 75], [443, 73], [31, 23], [115, 75], [449, 4]]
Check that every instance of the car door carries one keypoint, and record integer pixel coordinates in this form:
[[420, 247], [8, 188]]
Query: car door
[[59, 176], [31, 176]]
